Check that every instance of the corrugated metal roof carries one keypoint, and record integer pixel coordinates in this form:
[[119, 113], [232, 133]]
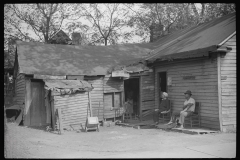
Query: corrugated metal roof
[[54, 59], [74, 85], [199, 39]]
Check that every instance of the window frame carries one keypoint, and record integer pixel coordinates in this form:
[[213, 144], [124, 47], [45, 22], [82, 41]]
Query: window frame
[[113, 97]]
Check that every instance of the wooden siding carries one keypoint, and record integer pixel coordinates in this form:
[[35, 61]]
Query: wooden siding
[[228, 87], [110, 85], [28, 97], [20, 89], [204, 87], [96, 95], [147, 91], [103, 85], [73, 108]]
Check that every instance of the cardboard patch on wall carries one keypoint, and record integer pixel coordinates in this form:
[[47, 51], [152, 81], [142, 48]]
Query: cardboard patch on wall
[[169, 81]]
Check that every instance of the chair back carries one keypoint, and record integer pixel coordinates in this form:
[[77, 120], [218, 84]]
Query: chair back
[[197, 107]]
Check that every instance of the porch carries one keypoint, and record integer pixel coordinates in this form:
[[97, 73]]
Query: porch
[[149, 124]]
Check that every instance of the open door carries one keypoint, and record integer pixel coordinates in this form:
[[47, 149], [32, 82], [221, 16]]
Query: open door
[[37, 107]]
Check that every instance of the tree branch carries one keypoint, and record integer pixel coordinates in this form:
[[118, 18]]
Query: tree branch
[[41, 10]]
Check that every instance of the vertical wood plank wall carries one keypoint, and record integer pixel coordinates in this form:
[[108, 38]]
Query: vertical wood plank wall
[[147, 91], [204, 87], [110, 85], [20, 89], [28, 97], [73, 108], [96, 95], [228, 81]]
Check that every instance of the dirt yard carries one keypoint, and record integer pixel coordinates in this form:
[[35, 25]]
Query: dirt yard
[[110, 142]]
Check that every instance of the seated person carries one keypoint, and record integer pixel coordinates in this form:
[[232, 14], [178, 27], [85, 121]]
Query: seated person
[[163, 107], [188, 109], [129, 107]]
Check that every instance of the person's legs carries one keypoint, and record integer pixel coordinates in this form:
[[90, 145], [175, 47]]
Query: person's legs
[[173, 117], [182, 117], [155, 116]]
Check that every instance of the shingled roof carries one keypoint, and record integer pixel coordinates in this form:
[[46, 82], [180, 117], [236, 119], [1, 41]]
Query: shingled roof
[[194, 41], [58, 60]]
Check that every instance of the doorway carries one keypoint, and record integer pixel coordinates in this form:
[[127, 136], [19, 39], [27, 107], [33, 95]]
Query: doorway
[[131, 90], [162, 84], [37, 108]]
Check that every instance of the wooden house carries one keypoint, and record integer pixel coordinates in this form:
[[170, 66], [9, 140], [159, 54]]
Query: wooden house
[[60, 37], [201, 59], [37, 62]]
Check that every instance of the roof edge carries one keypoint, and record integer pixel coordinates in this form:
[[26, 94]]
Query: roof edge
[[186, 54], [227, 38]]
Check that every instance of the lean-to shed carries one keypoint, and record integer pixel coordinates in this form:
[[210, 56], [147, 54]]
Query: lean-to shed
[[94, 64], [41, 96], [72, 98], [201, 59]]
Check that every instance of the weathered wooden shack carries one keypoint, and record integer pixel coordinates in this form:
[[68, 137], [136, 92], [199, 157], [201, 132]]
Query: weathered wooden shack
[[39, 97], [71, 98], [93, 64], [201, 59]]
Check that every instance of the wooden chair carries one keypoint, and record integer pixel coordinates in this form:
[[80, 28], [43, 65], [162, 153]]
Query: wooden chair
[[166, 116], [194, 119]]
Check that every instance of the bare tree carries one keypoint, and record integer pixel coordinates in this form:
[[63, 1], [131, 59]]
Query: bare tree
[[167, 17], [106, 21], [42, 19]]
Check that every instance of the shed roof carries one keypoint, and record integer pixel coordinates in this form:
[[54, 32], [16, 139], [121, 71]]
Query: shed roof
[[67, 85], [55, 59], [200, 39]]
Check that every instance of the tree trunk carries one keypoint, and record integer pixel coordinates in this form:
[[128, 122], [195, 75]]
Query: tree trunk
[[105, 41], [47, 29], [195, 11]]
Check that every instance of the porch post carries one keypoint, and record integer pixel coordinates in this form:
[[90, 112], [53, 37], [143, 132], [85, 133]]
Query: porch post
[[219, 90], [140, 97]]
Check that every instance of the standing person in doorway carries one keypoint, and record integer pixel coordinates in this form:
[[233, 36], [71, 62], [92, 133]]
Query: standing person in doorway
[[188, 109], [129, 105], [163, 107]]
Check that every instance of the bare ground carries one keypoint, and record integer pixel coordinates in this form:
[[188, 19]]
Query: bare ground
[[110, 142]]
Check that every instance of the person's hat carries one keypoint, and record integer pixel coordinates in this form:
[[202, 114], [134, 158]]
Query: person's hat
[[165, 94], [188, 92]]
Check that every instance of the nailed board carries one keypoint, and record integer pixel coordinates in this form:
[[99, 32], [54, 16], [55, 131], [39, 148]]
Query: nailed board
[[96, 95]]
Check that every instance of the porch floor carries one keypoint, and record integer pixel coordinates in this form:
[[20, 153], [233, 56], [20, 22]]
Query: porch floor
[[149, 124], [194, 130]]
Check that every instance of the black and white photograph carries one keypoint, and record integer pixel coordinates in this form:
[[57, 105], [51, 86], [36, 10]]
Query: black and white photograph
[[120, 80]]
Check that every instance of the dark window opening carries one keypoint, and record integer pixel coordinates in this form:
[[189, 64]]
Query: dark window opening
[[162, 84], [112, 99]]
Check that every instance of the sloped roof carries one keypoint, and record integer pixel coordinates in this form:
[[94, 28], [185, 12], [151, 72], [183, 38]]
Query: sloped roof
[[55, 59], [200, 39]]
